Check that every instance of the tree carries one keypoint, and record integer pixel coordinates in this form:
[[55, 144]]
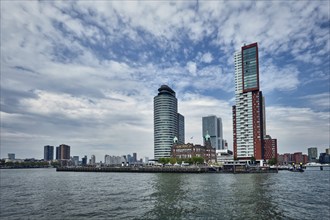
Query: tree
[[253, 160], [272, 161], [172, 160]]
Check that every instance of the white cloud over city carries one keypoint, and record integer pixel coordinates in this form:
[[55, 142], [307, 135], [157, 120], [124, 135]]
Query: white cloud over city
[[84, 73]]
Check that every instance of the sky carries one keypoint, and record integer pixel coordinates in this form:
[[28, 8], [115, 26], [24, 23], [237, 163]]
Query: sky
[[84, 73]]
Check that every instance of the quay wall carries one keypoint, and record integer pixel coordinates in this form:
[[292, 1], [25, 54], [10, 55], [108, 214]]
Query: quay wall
[[158, 170]]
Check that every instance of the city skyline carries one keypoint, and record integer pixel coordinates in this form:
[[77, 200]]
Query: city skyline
[[85, 73]]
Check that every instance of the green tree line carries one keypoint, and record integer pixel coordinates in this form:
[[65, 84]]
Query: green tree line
[[172, 160]]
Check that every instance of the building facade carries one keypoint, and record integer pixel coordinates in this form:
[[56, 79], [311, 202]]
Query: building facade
[[212, 125], [11, 156], [167, 122], [312, 154], [181, 139], [249, 122], [48, 152], [270, 146], [63, 152], [185, 151]]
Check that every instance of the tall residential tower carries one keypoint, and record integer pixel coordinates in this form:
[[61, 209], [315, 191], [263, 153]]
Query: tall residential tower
[[168, 123], [249, 127]]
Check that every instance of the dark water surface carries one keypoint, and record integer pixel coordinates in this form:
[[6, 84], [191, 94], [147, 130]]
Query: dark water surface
[[47, 194]]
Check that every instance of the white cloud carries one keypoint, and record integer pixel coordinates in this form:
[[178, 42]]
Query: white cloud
[[296, 129], [321, 100], [192, 68], [207, 57], [272, 77]]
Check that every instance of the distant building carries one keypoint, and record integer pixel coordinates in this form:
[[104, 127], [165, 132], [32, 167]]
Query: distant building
[[135, 157], [212, 125], [185, 151], [298, 158], [287, 159], [93, 160], [325, 157], [63, 152], [312, 154], [146, 160], [75, 160], [48, 152], [84, 161], [167, 122], [107, 159], [11, 156], [270, 148], [305, 159], [181, 129]]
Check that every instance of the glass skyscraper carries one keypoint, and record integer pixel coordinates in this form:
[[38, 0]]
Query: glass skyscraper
[[167, 122], [213, 127]]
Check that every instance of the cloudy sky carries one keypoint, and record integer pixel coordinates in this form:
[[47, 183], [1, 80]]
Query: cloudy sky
[[85, 73]]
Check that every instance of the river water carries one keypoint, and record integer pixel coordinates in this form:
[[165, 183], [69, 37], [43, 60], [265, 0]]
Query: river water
[[47, 194]]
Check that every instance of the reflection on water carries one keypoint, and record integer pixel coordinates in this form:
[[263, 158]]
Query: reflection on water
[[169, 191]]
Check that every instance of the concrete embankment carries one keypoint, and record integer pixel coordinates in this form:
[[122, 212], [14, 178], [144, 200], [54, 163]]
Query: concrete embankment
[[158, 170], [136, 169]]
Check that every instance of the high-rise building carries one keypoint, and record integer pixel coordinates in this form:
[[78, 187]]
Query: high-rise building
[[180, 128], [312, 154], [48, 152], [11, 156], [168, 124], [84, 161], [249, 122], [213, 127], [134, 157], [93, 160], [75, 160], [63, 152]]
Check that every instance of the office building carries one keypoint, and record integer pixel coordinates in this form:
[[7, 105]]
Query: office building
[[63, 152], [249, 122], [93, 160], [134, 157], [48, 153], [212, 125], [75, 160], [11, 156], [167, 122], [327, 151], [84, 161], [312, 154], [181, 139]]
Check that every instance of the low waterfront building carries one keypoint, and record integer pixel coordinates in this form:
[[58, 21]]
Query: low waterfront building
[[225, 156], [190, 150]]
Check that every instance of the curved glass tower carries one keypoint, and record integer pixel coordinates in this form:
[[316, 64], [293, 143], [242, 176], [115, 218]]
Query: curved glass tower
[[165, 121]]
